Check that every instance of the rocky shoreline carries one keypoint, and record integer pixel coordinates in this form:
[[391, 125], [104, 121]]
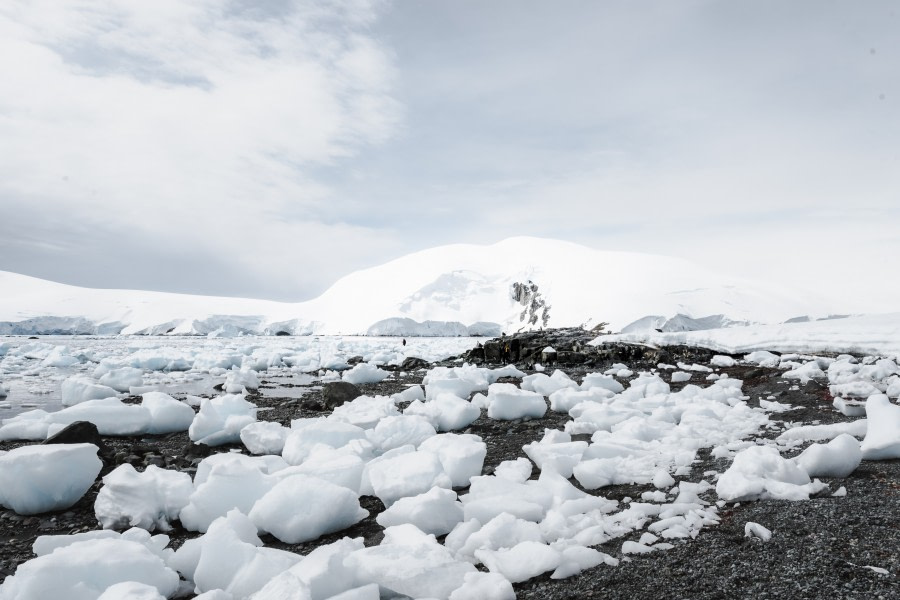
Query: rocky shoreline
[[820, 548]]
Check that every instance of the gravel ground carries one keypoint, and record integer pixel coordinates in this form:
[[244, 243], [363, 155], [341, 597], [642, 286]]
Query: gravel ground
[[820, 548]]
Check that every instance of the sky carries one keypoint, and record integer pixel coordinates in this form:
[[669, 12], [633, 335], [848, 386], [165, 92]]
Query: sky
[[265, 149]]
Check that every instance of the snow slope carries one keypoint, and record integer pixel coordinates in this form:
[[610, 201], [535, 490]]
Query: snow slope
[[561, 284], [864, 334]]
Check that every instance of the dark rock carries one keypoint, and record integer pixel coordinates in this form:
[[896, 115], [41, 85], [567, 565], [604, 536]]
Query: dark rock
[[335, 393], [411, 363], [192, 450], [355, 360], [79, 432]]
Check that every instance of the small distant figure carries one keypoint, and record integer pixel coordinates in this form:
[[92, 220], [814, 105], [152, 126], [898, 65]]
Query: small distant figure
[[404, 341]]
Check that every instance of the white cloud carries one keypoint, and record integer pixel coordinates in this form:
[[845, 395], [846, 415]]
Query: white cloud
[[200, 119]]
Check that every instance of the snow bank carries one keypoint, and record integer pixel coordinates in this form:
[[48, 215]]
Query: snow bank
[[78, 388]]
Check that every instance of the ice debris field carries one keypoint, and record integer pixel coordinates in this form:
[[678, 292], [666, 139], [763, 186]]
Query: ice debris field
[[450, 531]]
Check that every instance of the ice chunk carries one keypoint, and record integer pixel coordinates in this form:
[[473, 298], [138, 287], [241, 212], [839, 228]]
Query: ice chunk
[[763, 358], [600, 380], [319, 575], [560, 456], [235, 484], [756, 530], [221, 419], [720, 360], [149, 500], [484, 586], [437, 511], [461, 455], [131, 590], [122, 380], [167, 414], [446, 412], [230, 558], [546, 385], [521, 562], [518, 470], [37, 479], [86, 569], [300, 442], [662, 480], [240, 380], [364, 373], [680, 376], [365, 411], [507, 402], [301, 508], [264, 437], [393, 432], [409, 563], [78, 388], [838, 458], [576, 558], [760, 472], [503, 531], [110, 415], [405, 475], [29, 425], [882, 441]]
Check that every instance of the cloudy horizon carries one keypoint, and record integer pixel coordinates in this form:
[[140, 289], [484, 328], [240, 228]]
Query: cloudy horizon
[[265, 150]]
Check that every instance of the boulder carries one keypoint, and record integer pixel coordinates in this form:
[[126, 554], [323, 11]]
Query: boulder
[[335, 393]]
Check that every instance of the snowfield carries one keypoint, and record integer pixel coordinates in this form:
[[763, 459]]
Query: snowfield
[[410, 463], [463, 289]]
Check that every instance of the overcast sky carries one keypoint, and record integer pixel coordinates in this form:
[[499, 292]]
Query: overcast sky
[[266, 148]]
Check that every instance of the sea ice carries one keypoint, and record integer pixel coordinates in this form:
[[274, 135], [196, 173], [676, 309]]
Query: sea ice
[[122, 380], [42, 478], [78, 388]]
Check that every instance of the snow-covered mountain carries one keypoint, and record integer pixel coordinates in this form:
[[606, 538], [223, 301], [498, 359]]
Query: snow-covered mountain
[[519, 283]]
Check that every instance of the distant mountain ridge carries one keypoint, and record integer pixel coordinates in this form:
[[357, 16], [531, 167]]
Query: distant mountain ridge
[[516, 284]]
